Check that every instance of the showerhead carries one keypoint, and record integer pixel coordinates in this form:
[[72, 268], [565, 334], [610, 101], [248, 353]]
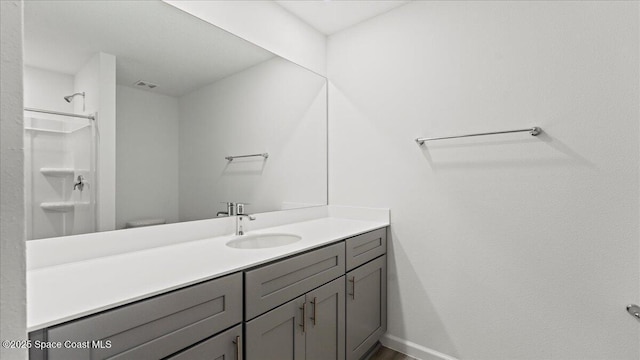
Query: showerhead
[[69, 98]]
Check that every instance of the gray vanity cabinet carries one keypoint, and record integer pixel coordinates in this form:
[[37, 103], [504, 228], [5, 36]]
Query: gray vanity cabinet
[[37, 353], [310, 327], [366, 306], [365, 247], [325, 323], [225, 346], [153, 328], [274, 284], [278, 334], [342, 319], [325, 304]]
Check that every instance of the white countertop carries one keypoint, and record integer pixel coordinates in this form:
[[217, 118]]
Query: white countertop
[[56, 294]]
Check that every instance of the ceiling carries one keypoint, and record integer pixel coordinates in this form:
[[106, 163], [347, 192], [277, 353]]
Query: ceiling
[[331, 16], [151, 40]]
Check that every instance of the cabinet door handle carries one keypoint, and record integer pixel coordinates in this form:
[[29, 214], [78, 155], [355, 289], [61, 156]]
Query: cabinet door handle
[[304, 316], [353, 291], [315, 309], [238, 345]]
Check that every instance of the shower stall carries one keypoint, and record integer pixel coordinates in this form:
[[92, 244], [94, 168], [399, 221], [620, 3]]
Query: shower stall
[[60, 173]]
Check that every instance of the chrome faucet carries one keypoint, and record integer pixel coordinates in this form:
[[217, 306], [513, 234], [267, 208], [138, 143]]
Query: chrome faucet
[[231, 210], [240, 217], [239, 229]]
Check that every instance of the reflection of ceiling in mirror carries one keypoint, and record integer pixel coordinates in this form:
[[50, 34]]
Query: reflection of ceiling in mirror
[[151, 40], [329, 17]]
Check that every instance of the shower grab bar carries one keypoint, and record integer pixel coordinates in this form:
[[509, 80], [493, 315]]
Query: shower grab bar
[[230, 158], [90, 117], [534, 131]]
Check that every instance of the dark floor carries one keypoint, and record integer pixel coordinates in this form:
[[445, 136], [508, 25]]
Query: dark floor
[[384, 353]]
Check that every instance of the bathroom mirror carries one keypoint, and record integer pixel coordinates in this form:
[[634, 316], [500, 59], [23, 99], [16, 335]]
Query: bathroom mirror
[[187, 117]]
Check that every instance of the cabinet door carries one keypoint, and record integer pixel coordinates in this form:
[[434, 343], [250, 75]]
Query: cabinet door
[[225, 346], [366, 306], [325, 319], [278, 334]]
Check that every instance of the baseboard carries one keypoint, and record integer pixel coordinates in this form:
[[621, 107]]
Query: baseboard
[[412, 349]]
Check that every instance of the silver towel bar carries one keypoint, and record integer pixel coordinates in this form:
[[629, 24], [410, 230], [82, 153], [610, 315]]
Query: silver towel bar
[[230, 158], [534, 131]]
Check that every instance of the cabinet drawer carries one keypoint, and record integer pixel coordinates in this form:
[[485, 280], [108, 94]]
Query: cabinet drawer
[[227, 346], [157, 327], [271, 285], [365, 247]]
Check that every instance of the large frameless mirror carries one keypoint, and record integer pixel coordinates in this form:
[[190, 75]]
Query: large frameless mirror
[[189, 116]]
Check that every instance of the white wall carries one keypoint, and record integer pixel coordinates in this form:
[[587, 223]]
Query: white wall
[[98, 80], [146, 156], [12, 244], [44, 89], [275, 107], [265, 24], [503, 247]]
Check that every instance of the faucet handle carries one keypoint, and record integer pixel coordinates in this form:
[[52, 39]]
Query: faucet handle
[[231, 207], [240, 208]]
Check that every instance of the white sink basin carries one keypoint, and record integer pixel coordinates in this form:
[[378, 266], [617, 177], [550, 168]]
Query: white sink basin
[[263, 241]]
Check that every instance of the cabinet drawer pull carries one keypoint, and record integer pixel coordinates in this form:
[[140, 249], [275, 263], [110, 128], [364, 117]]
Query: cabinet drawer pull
[[304, 317], [238, 345], [353, 291], [315, 309]]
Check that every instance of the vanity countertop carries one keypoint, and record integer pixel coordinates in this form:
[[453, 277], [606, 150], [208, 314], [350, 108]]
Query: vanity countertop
[[56, 294]]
